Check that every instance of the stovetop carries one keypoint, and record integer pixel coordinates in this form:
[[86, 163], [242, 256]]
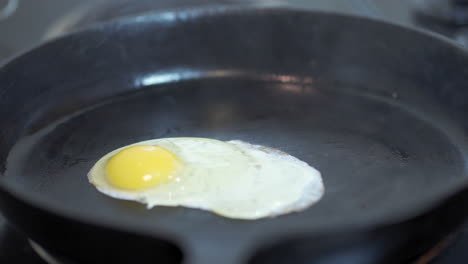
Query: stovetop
[[25, 23]]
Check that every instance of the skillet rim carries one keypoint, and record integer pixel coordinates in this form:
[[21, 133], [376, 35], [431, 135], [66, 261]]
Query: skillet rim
[[37, 201]]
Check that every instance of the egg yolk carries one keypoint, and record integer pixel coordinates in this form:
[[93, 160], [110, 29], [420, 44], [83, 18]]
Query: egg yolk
[[140, 167]]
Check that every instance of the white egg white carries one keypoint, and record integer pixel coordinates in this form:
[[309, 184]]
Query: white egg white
[[234, 179]]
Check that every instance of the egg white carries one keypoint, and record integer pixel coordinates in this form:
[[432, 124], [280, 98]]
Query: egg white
[[234, 179]]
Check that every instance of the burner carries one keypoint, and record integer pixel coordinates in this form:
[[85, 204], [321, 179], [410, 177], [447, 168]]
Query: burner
[[425, 258], [49, 257], [435, 251]]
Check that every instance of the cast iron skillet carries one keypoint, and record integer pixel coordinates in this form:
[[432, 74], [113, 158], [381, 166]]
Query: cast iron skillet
[[377, 108]]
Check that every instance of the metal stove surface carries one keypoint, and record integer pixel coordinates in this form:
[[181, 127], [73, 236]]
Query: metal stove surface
[[26, 23]]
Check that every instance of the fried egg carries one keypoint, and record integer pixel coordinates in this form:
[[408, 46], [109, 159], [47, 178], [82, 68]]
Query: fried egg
[[234, 179]]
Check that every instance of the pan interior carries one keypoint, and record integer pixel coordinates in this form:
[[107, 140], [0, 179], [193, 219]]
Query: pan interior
[[378, 161]]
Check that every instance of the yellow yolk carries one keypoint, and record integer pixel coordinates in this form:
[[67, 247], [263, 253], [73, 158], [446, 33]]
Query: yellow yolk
[[140, 167]]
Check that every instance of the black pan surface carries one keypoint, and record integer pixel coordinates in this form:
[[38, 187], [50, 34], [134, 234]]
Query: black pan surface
[[377, 108]]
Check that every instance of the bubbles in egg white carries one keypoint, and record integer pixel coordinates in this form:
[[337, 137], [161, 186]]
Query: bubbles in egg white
[[234, 179]]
